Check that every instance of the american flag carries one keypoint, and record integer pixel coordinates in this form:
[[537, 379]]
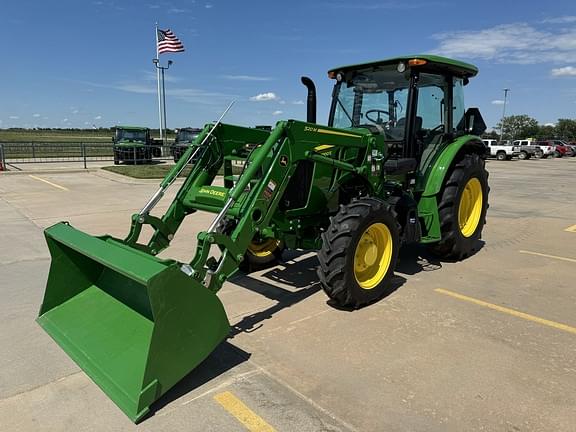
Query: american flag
[[168, 42]]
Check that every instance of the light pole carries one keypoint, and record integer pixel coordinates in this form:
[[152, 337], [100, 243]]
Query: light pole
[[163, 122], [506, 90]]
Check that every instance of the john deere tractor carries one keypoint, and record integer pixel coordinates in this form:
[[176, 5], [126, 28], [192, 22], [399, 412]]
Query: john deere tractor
[[399, 162]]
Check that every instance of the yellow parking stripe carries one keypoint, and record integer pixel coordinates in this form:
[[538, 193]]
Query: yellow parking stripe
[[508, 311], [48, 182], [571, 229], [252, 421], [548, 256]]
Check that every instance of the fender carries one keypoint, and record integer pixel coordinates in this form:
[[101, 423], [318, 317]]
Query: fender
[[433, 173]]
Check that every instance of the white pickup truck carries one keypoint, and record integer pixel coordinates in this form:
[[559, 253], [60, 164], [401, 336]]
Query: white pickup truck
[[501, 150], [529, 148]]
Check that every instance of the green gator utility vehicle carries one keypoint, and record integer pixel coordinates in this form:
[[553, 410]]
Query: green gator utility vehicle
[[399, 162], [133, 144], [184, 137]]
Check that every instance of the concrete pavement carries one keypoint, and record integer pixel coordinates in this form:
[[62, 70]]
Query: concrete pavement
[[421, 359]]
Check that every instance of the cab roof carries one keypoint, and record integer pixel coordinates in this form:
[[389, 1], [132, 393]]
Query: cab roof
[[135, 128], [434, 64]]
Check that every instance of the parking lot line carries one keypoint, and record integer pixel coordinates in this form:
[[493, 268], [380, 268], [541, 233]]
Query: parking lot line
[[518, 314], [48, 182], [548, 256], [571, 229], [252, 421]]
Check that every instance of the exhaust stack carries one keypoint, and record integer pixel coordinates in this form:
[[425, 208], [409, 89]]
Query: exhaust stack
[[311, 100]]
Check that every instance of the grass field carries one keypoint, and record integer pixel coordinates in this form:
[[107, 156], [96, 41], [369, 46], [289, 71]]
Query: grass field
[[61, 136], [154, 171], [144, 171]]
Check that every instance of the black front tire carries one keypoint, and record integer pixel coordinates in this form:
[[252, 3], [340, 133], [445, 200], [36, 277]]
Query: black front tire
[[454, 244], [339, 246], [501, 156]]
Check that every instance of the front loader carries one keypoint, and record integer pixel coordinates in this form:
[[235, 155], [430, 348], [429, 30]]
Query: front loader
[[399, 162]]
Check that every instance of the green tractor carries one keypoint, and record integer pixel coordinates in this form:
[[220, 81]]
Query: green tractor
[[133, 144], [399, 162]]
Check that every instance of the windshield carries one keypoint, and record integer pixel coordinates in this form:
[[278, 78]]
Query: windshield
[[186, 136], [130, 135], [374, 99]]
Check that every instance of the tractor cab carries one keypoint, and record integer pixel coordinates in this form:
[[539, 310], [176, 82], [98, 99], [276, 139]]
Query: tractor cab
[[413, 102]]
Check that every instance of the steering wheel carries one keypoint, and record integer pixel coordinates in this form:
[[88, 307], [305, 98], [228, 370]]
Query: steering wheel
[[378, 120]]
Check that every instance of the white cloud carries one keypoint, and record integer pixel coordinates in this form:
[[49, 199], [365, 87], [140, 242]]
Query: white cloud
[[561, 20], [564, 71], [13, 117], [98, 117], [298, 102], [282, 102], [277, 112], [36, 115], [75, 111], [270, 96], [209, 6], [497, 102], [65, 120], [519, 43], [246, 78], [190, 95], [550, 124]]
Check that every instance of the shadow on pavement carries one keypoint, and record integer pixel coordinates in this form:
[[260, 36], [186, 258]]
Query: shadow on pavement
[[224, 358]]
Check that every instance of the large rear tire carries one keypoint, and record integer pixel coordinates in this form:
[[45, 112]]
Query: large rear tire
[[462, 209], [359, 253]]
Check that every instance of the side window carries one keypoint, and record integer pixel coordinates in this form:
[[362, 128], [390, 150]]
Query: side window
[[431, 101], [458, 102]]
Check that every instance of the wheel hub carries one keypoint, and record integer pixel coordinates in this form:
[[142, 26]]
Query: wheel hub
[[373, 255], [470, 208]]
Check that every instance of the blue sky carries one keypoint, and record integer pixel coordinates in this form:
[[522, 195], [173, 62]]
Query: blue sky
[[83, 63]]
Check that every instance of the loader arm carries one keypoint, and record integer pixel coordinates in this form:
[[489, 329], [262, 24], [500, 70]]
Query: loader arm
[[247, 207]]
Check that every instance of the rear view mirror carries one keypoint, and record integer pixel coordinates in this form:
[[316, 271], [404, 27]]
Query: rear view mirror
[[474, 122]]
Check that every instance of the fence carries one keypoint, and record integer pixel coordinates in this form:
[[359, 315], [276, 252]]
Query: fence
[[16, 153]]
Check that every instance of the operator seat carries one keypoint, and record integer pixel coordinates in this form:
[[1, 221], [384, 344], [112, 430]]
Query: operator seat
[[397, 132]]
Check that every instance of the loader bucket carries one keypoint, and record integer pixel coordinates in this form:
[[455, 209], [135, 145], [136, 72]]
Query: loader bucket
[[134, 323]]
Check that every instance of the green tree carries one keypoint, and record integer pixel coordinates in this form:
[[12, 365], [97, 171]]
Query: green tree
[[519, 126], [566, 129], [545, 131]]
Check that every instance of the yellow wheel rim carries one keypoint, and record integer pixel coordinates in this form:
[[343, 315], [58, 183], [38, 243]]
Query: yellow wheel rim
[[264, 248], [470, 208], [373, 255]]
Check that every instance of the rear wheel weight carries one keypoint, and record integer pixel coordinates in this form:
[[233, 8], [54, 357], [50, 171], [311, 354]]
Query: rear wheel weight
[[359, 252], [462, 209]]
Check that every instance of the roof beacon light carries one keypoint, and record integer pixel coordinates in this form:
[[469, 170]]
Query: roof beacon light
[[417, 62]]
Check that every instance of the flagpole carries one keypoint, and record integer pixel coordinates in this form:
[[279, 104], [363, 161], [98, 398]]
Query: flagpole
[[159, 89]]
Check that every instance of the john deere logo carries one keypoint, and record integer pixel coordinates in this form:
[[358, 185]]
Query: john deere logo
[[283, 160]]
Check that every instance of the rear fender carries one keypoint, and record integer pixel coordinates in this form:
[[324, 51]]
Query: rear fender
[[431, 178]]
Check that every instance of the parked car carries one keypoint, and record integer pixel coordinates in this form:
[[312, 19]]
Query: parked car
[[528, 149], [184, 138], [560, 147], [572, 145], [501, 150]]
